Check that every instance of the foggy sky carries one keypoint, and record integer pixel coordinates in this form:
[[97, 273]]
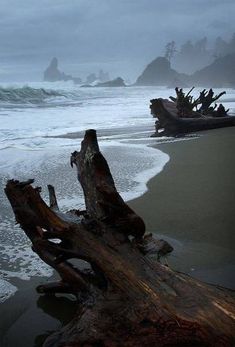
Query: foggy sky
[[120, 36]]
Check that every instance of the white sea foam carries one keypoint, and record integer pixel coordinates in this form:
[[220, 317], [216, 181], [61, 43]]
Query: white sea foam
[[138, 164], [17, 260], [28, 120], [6, 290], [132, 166], [21, 262]]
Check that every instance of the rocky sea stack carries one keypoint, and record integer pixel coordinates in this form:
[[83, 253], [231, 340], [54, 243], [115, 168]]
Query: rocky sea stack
[[159, 72], [117, 82], [53, 74]]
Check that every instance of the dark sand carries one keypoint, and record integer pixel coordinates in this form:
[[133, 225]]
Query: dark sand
[[190, 203], [192, 200], [27, 318]]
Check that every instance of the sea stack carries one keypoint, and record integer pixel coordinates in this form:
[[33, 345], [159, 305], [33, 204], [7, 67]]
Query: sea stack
[[159, 72], [117, 82], [52, 73]]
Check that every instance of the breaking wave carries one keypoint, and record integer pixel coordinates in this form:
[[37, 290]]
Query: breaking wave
[[27, 95]]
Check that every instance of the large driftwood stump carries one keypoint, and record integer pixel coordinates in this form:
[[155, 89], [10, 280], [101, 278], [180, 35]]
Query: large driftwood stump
[[171, 124], [127, 298], [204, 104]]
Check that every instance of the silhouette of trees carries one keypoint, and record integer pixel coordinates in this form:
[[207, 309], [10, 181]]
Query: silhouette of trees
[[193, 56], [170, 50], [201, 46], [222, 47], [187, 49]]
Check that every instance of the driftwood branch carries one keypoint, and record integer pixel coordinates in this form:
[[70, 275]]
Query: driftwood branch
[[127, 297], [170, 124], [185, 104], [208, 98]]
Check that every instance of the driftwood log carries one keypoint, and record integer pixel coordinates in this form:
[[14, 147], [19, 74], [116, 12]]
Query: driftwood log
[[170, 124], [126, 298], [185, 104]]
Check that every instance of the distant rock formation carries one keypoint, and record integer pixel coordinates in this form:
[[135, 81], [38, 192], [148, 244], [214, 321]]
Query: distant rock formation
[[221, 73], [53, 74], [100, 78], [117, 82], [86, 85], [159, 72]]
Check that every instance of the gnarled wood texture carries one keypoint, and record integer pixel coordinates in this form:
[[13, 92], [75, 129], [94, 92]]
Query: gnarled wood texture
[[171, 124], [127, 298], [204, 104]]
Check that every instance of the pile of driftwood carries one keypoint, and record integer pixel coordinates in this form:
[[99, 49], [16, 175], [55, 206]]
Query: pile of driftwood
[[126, 296], [184, 114]]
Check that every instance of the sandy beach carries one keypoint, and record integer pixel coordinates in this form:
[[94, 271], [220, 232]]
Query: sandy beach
[[190, 204], [192, 201], [117, 161]]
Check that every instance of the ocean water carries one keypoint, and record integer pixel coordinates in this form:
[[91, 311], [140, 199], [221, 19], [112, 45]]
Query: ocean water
[[35, 120]]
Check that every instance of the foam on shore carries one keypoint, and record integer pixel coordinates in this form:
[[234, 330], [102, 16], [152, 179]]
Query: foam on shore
[[6, 290], [132, 166]]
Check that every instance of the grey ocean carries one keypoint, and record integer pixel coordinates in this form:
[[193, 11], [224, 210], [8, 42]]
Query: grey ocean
[[40, 125]]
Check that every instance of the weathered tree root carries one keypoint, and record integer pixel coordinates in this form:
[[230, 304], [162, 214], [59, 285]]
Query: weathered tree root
[[170, 124], [127, 298], [185, 103]]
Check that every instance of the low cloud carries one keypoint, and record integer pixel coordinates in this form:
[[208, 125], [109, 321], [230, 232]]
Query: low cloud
[[92, 31]]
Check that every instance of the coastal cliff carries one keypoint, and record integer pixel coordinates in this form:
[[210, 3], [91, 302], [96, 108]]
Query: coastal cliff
[[220, 73]]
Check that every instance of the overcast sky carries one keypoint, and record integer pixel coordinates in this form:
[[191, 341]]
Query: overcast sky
[[120, 36]]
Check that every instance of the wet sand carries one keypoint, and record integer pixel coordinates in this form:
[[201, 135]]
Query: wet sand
[[192, 201], [28, 318]]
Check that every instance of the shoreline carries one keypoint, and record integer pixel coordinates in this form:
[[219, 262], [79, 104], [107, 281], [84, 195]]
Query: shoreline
[[132, 165], [175, 209], [191, 204]]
